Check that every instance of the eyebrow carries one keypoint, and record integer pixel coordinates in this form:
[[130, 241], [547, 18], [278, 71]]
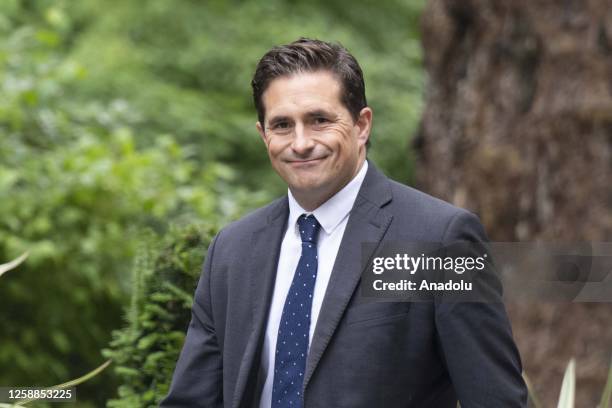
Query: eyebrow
[[318, 112], [276, 119]]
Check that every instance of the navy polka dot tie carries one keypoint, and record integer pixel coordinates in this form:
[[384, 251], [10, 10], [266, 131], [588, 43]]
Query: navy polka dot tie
[[293, 331]]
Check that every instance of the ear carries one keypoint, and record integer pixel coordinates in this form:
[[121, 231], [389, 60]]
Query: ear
[[364, 124], [261, 132]]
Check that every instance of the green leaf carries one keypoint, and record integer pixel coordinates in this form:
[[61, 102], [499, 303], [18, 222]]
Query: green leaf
[[532, 395], [566, 399], [13, 264], [72, 383], [607, 393]]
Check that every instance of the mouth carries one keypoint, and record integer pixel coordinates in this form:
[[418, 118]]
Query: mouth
[[306, 162]]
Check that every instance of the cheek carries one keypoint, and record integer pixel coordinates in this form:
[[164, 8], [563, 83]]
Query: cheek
[[339, 140], [346, 146], [275, 148]]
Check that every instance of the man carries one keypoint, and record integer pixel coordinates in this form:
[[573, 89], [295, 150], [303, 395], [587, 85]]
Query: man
[[278, 320]]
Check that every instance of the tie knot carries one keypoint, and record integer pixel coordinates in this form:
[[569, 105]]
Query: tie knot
[[309, 228]]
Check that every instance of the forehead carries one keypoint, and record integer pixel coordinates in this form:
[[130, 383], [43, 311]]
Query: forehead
[[302, 91]]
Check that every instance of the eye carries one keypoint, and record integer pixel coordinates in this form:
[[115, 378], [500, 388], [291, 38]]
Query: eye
[[280, 125], [321, 120]]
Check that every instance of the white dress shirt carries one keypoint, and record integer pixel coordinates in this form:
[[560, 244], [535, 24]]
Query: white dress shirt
[[333, 216]]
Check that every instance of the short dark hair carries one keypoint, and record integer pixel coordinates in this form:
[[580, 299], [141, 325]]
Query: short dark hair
[[308, 55]]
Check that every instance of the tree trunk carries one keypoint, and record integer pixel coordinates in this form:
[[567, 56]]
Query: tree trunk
[[518, 128]]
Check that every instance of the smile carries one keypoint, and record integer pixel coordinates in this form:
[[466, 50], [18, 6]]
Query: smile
[[308, 162]]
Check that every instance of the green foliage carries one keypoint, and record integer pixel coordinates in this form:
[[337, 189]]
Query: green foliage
[[146, 350], [76, 184], [77, 210], [184, 68], [12, 265]]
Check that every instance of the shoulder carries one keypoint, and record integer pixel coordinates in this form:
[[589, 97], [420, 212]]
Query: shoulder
[[406, 204], [431, 217], [409, 199]]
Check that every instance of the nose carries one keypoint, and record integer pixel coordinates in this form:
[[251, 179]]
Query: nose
[[302, 144]]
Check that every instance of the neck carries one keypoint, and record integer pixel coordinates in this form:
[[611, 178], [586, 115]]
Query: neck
[[310, 201]]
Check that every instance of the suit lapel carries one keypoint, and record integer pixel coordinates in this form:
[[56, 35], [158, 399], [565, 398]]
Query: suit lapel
[[265, 248], [368, 222]]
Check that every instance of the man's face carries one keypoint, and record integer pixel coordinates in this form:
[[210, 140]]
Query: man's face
[[312, 141]]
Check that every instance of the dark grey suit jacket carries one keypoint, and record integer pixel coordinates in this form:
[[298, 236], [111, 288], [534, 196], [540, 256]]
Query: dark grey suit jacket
[[363, 354]]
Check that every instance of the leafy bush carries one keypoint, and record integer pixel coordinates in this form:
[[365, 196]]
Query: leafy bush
[[163, 283], [12, 265], [78, 210]]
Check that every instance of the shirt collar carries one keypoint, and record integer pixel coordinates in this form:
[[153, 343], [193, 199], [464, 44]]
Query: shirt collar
[[331, 213]]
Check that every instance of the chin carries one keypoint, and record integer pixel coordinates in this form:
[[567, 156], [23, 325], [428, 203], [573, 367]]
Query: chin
[[307, 186]]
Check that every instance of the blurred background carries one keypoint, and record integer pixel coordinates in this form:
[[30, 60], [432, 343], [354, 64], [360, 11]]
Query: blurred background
[[127, 138]]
